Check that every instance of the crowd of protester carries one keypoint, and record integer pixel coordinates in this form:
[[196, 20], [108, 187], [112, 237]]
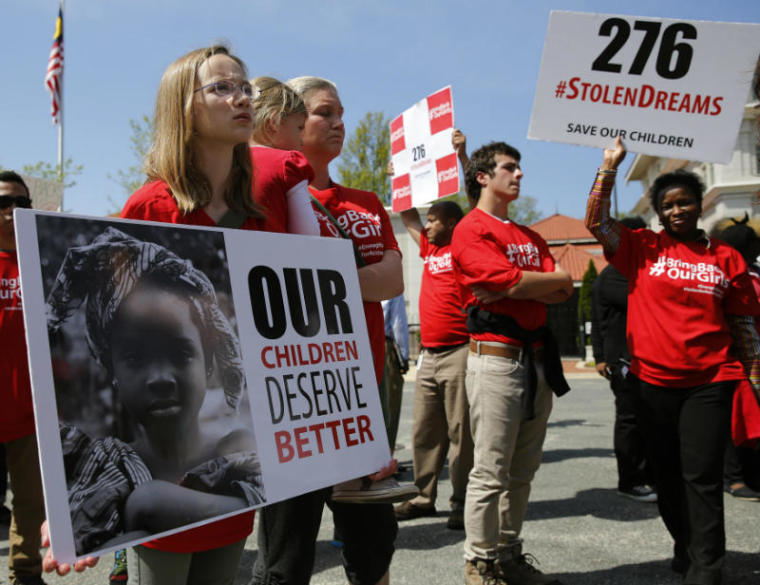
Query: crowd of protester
[[489, 366]]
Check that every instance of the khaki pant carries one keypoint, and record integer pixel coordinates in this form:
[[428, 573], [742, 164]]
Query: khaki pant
[[28, 508], [507, 453], [441, 425]]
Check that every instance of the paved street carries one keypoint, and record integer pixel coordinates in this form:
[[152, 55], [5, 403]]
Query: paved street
[[577, 527]]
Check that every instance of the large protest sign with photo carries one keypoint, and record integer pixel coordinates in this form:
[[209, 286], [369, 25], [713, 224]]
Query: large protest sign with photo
[[670, 88], [183, 374], [424, 162]]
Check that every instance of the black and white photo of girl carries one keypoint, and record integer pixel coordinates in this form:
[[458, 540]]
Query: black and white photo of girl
[[154, 418]]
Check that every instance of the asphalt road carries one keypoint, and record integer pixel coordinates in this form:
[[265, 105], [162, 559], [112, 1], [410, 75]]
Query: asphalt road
[[578, 527]]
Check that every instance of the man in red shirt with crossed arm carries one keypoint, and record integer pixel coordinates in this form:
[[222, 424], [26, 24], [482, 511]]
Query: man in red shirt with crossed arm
[[507, 275]]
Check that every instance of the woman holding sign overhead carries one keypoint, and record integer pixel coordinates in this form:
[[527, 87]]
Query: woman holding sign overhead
[[692, 342], [288, 530]]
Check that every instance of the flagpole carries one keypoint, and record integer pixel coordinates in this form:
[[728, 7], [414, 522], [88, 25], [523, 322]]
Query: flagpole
[[60, 124]]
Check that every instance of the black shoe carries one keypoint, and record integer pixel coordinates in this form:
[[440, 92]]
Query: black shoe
[[680, 565], [456, 519], [408, 511], [5, 516], [742, 492], [28, 580], [640, 493]]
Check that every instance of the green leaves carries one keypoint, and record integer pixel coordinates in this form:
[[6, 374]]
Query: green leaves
[[365, 157], [132, 178]]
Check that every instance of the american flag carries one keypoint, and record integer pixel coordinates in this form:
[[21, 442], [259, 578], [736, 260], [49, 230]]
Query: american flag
[[54, 75]]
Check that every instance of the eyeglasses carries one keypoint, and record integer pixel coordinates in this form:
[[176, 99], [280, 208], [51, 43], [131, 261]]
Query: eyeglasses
[[226, 88], [20, 200]]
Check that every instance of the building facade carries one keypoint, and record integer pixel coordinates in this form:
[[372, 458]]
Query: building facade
[[732, 189]]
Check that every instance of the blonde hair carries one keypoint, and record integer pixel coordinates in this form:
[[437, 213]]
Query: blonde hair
[[171, 157], [274, 101], [305, 84]]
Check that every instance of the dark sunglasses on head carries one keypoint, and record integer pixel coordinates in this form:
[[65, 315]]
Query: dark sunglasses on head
[[20, 200]]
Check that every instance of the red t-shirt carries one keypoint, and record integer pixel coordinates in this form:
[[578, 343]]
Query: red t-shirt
[[275, 172], [678, 296], [493, 254], [442, 320], [16, 413], [363, 217], [153, 202]]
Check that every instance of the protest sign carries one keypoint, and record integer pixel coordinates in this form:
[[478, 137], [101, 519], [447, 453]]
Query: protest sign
[[670, 88], [173, 364], [424, 162]]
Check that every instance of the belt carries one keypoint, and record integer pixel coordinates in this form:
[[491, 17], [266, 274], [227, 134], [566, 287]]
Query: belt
[[442, 348], [511, 352]]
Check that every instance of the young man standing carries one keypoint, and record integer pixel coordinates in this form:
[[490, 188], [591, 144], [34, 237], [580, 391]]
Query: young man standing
[[17, 415], [441, 413], [507, 275]]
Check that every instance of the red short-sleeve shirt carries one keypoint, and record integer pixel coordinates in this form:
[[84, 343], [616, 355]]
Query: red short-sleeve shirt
[[493, 253], [17, 413], [275, 172], [363, 217], [679, 294], [442, 318]]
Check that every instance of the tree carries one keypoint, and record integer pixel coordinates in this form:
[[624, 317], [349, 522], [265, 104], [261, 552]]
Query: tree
[[460, 198], [133, 177], [584, 295], [49, 172], [523, 210], [365, 157]]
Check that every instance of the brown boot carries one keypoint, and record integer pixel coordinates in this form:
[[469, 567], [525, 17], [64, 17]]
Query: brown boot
[[519, 569], [482, 572]]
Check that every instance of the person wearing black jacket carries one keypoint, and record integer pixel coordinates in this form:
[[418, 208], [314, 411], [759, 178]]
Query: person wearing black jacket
[[608, 326]]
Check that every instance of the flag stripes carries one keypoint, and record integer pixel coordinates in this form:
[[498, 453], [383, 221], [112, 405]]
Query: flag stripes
[[54, 75]]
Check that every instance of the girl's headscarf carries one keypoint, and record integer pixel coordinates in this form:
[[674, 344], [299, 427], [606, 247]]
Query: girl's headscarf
[[106, 271]]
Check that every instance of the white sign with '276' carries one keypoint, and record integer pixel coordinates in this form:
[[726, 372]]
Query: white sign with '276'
[[671, 88], [424, 162]]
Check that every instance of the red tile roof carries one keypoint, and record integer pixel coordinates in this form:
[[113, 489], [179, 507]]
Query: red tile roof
[[561, 228], [574, 259]]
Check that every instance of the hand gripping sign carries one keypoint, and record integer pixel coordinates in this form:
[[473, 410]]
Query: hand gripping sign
[[182, 374], [668, 88], [424, 162]]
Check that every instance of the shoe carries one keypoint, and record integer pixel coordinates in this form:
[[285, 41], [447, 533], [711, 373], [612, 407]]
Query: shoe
[[742, 491], [456, 519], [408, 511], [640, 493], [5, 516], [118, 572], [519, 569], [680, 564], [482, 572], [28, 580], [364, 491]]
